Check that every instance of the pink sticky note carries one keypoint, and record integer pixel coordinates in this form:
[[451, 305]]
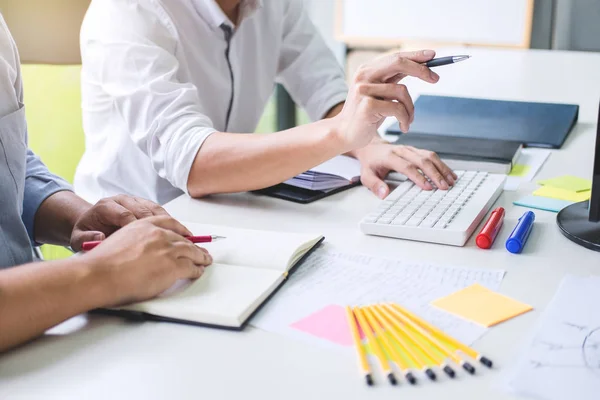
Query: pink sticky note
[[328, 323]]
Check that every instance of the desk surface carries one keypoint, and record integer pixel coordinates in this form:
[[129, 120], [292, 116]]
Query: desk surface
[[104, 357]]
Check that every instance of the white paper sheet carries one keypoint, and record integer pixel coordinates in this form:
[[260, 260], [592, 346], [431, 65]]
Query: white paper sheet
[[533, 159], [333, 277], [562, 357]]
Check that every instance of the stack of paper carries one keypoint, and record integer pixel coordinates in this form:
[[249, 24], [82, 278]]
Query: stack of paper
[[309, 306], [557, 193], [337, 172]]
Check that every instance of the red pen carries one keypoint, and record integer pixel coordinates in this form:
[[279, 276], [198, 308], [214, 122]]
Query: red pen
[[490, 230], [87, 246]]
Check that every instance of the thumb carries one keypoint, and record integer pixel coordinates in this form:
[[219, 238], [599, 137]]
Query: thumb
[[419, 56], [375, 184], [80, 237]]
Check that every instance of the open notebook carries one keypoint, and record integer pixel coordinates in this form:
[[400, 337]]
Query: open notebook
[[248, 267]]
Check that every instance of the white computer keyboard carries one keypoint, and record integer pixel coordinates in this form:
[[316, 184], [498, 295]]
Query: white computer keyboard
[[437, 216]]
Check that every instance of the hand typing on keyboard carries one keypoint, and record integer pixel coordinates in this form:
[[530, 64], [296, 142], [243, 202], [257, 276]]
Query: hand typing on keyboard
[[376, 93], [439, 216]]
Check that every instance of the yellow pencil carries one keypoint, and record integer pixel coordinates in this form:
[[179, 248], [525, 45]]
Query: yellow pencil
[[389, 346], [433, 339], [419, 341], [447, 338], [360, 351], [364, 325], [410, 353]]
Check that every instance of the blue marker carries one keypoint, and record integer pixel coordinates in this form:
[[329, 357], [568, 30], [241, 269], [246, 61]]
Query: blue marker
[[517, 239]]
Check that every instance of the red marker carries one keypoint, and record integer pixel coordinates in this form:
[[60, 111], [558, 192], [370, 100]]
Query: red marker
[[490, 230], [87, 246]]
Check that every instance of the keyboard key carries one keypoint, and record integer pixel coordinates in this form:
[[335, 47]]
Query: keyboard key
[[401, 219], [414, 221]]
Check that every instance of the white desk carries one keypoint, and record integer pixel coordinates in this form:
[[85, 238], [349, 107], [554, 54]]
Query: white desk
[[108, 358]]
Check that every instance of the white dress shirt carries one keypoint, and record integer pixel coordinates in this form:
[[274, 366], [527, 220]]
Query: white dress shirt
[[156, 83]]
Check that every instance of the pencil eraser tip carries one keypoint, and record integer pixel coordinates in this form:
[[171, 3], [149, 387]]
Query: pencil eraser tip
[[430, 374], [449, 371], [469, 368], [392, 379], [486, 361]]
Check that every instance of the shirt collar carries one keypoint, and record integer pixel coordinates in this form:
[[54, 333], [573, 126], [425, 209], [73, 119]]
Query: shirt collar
[[210, 11]]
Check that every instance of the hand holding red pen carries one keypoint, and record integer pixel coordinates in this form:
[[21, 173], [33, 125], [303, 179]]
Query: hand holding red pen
[[142, 260]]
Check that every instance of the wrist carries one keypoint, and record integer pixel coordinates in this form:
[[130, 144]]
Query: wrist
[[335, 137], [97, 281]]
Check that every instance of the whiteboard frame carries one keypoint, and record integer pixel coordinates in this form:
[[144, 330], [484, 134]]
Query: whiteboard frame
[[383, 42]]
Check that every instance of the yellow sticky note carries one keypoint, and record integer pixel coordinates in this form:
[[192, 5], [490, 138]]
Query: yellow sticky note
[[562, 194], [481, 305], [519, 170], [568, 182]]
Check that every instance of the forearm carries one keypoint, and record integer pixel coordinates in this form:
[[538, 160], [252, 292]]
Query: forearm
[[56, 217], [240, 162], [36, 297]]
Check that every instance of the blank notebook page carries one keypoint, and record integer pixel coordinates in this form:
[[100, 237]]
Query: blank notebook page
[[259, 249], [224, 295]]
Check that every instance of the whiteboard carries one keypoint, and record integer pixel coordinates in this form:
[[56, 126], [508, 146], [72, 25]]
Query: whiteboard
[[466, 22]]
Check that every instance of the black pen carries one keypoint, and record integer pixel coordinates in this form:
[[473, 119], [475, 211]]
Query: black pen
[[438, 62]]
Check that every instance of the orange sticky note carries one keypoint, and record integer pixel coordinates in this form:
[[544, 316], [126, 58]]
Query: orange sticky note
[[481, 305]]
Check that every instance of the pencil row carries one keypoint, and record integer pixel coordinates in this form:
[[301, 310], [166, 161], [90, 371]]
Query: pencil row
[[395, 334]]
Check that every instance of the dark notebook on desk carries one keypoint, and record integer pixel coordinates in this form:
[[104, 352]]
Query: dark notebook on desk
[[460, 153], [331, 177], [533, 124]]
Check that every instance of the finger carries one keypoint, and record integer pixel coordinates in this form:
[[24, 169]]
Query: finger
[[369, 179], [188, 270], [409, 169], [192, 252], [169, 223], [389, 91], [410, 63], [391, 109], [139, 210], [80, 237], [448, 174], [154, 208], [113, 214], [424, 160]]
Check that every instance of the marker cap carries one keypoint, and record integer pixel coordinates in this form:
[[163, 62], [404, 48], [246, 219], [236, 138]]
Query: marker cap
[[520, 234], [483, 242]]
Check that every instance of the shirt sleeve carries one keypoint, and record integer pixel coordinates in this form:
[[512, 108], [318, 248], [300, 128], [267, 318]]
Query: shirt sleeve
[[307, 67], [39, 185], [39, 182], [128, 51]]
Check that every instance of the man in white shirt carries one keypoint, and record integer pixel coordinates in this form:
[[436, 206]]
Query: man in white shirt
[[169, 85]]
